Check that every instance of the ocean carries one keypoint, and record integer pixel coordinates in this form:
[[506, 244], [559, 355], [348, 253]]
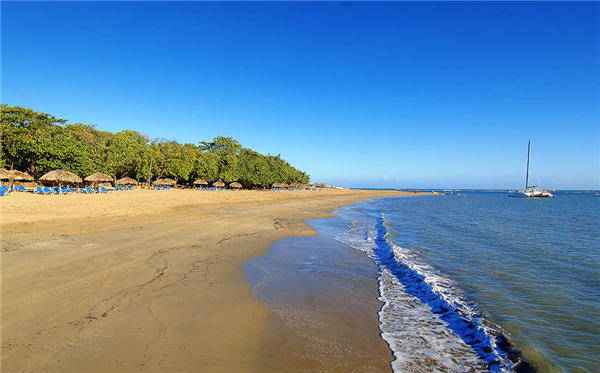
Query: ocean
[[472, 282]]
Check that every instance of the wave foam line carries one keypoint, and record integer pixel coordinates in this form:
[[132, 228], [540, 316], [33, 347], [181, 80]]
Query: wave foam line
[[469, 329]]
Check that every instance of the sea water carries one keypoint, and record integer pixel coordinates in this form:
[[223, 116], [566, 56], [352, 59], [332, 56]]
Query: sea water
[[469, 282]]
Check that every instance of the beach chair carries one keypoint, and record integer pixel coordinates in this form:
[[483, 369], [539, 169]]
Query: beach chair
[[103, 190], [89, 190], [48, 190]]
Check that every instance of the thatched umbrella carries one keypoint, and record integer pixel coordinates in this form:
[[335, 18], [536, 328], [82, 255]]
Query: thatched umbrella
[[20, 176], [200, 182], [235, 185], [218, 184], [126, 181], [60, 177], [14, 175], [279, 185], [164, 182], [98, 178], [4, 174]]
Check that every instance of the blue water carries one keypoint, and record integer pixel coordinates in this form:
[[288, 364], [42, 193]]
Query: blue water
[[474, 282], [531, 266]]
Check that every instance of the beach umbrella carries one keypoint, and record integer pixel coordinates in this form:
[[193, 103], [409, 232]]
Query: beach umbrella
[[4, 174], [279, 185], [60, 177], [126, 181], [218, 184], [200, 182], [98, 178], [14, 175], [164, 182], [235, 185], [20, 176]]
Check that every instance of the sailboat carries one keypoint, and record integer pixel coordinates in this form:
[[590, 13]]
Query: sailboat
[[531, 191]]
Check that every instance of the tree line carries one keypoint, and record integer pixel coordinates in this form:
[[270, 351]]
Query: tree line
[[38, 142]]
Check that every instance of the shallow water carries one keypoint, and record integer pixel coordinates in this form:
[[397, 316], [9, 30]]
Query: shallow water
[[456, 273]]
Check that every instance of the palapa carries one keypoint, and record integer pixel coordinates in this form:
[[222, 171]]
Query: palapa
[[200, 182], [235, 185], [61, 177], [279, 185], [164, 182], [99, 177], [4, 174], [15, 175], [218, 184], [20, 176], [126, 181]]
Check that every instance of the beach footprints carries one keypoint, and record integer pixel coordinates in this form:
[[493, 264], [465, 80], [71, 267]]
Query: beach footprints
[[280, 224]]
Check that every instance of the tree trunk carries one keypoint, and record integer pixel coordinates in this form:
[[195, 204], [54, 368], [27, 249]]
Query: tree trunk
[[149, 172]]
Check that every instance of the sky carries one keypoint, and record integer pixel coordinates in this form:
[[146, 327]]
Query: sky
[[389, 94]]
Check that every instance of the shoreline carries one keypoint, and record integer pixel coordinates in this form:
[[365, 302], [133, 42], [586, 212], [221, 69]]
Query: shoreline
[[150, 289]]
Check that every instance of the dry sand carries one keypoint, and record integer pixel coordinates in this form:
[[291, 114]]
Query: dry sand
[[153, 281]]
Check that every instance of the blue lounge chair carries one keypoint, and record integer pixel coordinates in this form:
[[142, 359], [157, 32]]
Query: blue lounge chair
[[103, 190], [48, 190], [89, 190]]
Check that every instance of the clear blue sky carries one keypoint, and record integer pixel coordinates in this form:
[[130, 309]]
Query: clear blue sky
[[371, 94]]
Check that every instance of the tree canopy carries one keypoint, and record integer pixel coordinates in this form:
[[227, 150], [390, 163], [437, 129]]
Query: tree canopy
[[38, 142]]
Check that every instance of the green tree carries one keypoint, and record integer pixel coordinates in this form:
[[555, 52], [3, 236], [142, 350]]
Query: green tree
[[38, 142]]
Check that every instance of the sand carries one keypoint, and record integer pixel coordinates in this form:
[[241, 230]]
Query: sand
[[153, 281]]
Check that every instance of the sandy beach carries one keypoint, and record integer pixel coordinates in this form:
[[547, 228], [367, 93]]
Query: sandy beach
[[153, 281]]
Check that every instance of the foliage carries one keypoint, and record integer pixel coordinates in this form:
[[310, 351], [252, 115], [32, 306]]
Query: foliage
[[39, 142]]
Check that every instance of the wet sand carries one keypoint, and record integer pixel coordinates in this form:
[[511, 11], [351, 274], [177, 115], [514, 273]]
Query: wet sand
[[153, 281]]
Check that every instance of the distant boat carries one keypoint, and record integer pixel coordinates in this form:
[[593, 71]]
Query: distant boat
[[530, 191]]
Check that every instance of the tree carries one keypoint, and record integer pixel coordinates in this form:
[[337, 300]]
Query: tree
[[227, 150], [123, 153], [38, 142], [24, 134]]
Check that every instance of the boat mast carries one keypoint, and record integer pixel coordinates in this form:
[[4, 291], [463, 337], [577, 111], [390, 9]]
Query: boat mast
[[527, 174]]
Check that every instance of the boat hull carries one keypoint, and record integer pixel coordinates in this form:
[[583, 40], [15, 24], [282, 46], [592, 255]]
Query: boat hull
[[531, 193]]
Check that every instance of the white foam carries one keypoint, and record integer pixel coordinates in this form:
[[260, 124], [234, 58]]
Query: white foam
[[419, 338]]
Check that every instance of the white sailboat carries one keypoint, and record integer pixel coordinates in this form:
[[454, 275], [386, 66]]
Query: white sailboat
[[531, 191]]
